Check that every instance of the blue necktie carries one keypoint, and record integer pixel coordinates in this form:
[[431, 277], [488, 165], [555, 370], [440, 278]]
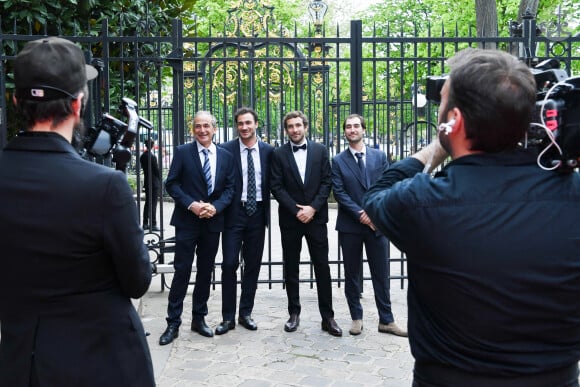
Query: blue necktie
[[361, 166], [251, 204], [207, 171]]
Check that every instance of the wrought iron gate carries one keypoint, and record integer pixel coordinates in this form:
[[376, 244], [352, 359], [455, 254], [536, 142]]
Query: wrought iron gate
[[255, 62]]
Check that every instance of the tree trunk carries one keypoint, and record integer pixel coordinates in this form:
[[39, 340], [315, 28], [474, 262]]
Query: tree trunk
[[486, 20], [528, 5]]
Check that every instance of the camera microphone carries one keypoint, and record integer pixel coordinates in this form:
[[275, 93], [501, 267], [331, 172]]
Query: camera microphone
[[447, 127]]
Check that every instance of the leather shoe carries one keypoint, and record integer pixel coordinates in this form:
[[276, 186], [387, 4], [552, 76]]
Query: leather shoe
[[393, 329], [169, 335], [224, 327], [329, 325], [356, 327], [201, 327], [292, 323], [247, 322]]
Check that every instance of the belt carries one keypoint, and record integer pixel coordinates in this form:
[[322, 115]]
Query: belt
[[426, 374], [243, 203]]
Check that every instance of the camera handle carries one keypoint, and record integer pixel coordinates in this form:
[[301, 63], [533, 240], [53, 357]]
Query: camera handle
[[123, 151]]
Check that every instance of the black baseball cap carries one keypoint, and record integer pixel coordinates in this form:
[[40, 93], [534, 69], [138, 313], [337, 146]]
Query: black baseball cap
[[51, 68]]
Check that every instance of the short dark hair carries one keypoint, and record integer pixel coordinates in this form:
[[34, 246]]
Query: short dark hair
[[149, 143], [55, 110], [495, 93], [295, 114], [245, 110], [354, 115]]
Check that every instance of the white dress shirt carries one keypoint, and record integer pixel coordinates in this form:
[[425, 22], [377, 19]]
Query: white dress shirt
[[257, 170], [300, 157]]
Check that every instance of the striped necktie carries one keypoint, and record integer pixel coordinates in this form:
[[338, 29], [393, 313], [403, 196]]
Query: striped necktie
[[207, 171]]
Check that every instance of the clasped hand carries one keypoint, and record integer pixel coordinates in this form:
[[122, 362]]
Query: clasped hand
[[203, 210], [305, 213]]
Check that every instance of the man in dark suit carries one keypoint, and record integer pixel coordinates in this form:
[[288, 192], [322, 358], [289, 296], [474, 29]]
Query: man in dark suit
[[301, 182], [353, 171], [246, 220], [72, 252], [152, 185], [201, 181]]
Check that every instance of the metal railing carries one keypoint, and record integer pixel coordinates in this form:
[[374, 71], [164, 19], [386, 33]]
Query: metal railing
[[328, 77]]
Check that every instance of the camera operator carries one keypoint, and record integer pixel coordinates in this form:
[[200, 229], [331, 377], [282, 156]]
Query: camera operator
[[492, 241], [72, 248]]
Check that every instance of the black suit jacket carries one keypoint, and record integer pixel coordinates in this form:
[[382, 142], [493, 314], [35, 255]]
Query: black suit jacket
[[266, 150], [288, 188], [349, 188], [186, 183], [72, 258], [151, 174]]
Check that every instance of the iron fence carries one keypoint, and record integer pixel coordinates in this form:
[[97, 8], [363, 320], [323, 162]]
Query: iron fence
[[380, 75]]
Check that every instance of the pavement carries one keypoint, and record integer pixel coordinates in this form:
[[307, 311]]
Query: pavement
[[270, 356]]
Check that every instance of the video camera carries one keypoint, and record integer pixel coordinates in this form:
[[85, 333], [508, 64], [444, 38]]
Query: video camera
[[113, 136], [556, 127]]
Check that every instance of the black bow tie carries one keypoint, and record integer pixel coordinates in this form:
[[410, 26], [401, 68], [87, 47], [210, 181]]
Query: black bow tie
[[295, 148]]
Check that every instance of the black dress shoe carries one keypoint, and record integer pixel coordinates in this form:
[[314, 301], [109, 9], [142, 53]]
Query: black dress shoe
[[247, 322], [201, 327], [169, 335], [224, 327], [330, 326], [292, 323]]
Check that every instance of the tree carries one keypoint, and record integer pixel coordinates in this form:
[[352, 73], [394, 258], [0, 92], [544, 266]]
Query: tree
[[486, 20]]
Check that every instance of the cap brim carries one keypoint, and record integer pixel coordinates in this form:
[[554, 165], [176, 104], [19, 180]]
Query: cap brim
[[92, 72]]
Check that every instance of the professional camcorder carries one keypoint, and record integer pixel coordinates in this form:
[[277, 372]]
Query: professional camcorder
[[555, 131], [113, 136]]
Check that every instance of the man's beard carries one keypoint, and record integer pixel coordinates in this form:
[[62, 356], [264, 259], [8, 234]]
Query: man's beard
[[79, 133], [444, 141]]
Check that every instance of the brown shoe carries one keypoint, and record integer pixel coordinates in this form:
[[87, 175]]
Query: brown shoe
[[356, 327], [393, 329]]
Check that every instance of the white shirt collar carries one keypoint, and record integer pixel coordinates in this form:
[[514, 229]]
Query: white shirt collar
[[211, 148], [243, 146]]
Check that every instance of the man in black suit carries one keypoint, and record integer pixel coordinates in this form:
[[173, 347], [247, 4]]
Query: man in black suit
[[72, 250], [353, 171], [246, 220], [152, 185], [301, 182], [201, 181]]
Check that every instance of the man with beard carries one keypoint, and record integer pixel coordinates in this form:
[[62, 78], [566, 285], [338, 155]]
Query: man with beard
[[72, 253], [491, 241], [353, 171], [246, 220], [300, 180]]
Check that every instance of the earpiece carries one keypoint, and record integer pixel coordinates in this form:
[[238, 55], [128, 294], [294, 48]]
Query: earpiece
[[447, 127]]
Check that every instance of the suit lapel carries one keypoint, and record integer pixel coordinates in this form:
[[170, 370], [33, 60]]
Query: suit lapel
[[353, 165], [196, 160], [309, 161], [263, 166], [218, 166], [238, 159], [292, 163]]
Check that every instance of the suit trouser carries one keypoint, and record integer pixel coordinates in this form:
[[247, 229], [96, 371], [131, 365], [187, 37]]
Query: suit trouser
[[245, 235], [205, 245], [150, 207], [317, 241], [377, 249]]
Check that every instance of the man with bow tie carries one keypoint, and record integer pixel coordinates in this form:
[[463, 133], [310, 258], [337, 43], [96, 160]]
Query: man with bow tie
[[301, 183]]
